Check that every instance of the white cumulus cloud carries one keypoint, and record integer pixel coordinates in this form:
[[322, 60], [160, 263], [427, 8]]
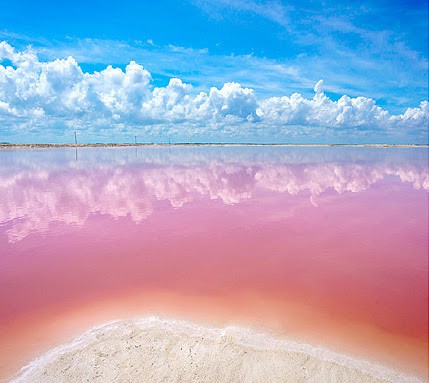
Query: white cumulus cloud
[[59, 93]]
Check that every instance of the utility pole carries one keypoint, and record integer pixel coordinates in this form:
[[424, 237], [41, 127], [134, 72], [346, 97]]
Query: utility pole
[[75, 142]]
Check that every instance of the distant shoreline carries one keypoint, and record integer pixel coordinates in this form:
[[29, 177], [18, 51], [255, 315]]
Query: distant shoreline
[[113, 145]]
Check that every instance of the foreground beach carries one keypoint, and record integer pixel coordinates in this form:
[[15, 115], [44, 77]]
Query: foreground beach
[[156, 350]]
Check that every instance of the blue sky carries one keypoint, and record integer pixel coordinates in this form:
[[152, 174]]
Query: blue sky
[[374, 50]]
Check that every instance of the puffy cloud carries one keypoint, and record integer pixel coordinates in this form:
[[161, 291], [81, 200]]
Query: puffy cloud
[[318, 88], [60, 89], [59, 93], [347, 112], [414, 116]]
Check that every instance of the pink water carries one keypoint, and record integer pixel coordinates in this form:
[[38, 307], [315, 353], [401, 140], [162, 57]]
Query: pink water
[[325, 246]]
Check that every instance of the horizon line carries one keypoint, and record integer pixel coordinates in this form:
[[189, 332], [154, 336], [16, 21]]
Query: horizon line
[[6, 145]]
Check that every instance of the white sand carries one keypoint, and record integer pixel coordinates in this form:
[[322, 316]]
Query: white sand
[[155, 350]]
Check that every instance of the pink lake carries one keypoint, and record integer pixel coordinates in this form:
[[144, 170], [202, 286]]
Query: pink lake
[[328, 246]]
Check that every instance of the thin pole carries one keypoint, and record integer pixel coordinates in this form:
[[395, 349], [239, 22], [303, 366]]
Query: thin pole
[[75, 139], [135, 139]]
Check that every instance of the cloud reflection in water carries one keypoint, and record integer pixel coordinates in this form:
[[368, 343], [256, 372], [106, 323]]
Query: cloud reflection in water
[[50, 187]]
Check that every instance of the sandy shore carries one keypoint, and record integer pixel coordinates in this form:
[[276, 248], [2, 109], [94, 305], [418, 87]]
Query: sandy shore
[[161, 350], [108, 145]]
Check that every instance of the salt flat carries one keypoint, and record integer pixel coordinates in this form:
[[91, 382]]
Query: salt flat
[[156, 350]]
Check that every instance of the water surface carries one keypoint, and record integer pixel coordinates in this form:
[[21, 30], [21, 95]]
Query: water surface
[[324, 245]]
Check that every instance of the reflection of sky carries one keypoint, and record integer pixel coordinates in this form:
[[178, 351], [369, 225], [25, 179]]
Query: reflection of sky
[[38, 187]]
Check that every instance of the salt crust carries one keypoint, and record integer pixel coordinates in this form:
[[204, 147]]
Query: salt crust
[[165, 350]]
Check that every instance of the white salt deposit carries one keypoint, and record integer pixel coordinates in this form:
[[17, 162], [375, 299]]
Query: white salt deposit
[[158, 350]]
